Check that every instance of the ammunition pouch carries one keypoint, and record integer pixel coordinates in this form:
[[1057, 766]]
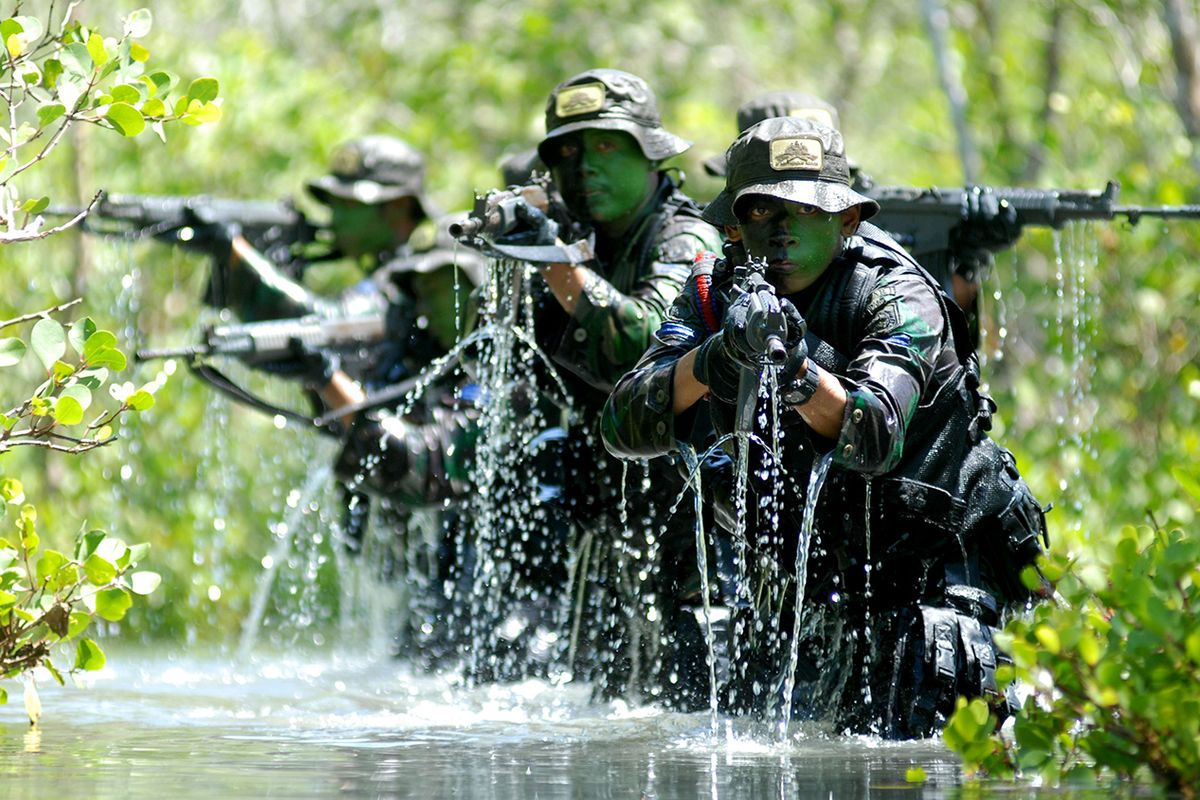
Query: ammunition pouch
[[959, 658]]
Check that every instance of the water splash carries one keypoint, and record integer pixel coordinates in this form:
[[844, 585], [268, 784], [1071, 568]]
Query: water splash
[[816, 481]]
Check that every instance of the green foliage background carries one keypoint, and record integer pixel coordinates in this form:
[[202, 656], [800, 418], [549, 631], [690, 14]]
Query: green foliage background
[[1095, 372]]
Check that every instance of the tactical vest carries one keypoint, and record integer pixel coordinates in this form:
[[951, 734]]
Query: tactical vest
[[954, 486]]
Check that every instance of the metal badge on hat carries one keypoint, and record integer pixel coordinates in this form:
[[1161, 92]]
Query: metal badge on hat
[[348, 161], [583, 99], [797, 153]]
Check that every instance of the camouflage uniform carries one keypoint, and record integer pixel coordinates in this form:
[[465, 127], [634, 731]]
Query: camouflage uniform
[[949, 521], [628, 288]]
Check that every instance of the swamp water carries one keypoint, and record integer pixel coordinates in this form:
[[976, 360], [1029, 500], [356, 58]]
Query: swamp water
[[157, 725]]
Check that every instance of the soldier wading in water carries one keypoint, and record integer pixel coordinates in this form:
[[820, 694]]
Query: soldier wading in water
[[923, 523]]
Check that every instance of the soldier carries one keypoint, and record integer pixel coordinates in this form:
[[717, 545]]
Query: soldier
[[923, 523], [604, 146]]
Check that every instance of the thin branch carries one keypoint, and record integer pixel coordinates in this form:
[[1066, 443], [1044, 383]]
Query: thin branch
[[47, 445], [40, 314], [23, 235]]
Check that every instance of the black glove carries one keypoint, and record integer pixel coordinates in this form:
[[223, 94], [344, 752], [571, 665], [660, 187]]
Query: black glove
[[989, 223], [797, 348], [313, 368], [718, 367], [534, 229]]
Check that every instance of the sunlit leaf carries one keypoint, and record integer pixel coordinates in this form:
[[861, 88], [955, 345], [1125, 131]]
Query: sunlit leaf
[[144, 582], [126, 119], [204, 90], [88, 656], [12, 350], [138, 23], [111, 604], [100, 572], [48, 341]]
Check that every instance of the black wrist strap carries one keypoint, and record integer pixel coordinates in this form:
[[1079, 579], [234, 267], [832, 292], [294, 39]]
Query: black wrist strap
[[802, 387]]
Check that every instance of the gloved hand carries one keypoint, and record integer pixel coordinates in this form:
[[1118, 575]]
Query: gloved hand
[[534, 228], [313, 368], [752, 320], [797, 348], [988, 222]]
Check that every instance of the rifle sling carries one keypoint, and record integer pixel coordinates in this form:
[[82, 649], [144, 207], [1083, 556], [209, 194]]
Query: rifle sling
[[222, 383]]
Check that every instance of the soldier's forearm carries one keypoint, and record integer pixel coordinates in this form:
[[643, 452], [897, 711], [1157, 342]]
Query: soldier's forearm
[[686, 390], [566, 283], [826, 409], [342, 390]]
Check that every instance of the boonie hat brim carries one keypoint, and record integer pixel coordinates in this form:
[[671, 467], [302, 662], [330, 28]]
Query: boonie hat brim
[[364, 191], [657, 144], [829, 196]]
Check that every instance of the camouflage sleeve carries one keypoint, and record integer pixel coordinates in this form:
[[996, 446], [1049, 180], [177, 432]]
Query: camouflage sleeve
[[411, 461], [610, 330], [905, 334], [638, 420]]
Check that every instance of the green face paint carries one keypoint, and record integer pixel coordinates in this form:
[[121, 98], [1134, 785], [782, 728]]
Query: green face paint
[[444, 313], [359, 229], [606, 172], [798, 241]]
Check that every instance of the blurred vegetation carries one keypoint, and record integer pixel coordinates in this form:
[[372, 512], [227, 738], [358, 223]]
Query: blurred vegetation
[[1091, 352]]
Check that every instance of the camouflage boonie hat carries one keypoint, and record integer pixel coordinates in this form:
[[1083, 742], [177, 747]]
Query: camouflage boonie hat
[[373, 170], [790, 159], [777, 104], [609, 99]]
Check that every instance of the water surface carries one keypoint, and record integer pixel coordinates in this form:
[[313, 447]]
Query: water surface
[[158, 725]]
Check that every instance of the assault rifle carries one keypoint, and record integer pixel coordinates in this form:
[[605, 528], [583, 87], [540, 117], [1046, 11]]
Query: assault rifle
[[950, 230], [275, 346], [276, 229], [766, 332], [505, 223]]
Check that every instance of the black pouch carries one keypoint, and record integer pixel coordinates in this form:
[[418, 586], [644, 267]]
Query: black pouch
[[1005, 518]]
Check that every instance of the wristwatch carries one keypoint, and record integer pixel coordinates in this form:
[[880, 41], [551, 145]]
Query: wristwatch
[[802, 387]]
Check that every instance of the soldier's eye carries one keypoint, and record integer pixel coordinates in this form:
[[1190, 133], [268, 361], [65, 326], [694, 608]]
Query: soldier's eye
[[568, 149], [758, 212], [605, 146], [802, 210]]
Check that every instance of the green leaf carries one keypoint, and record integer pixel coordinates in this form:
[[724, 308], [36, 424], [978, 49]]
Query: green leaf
[[138, 53], [51, 70], [48, 341], [62, 370], [12, 350], [79, 331], [137, 552], [97, 50], [78, 623], [113, 603], [3, 696], [126, 119], [88, 543], [54, 673], [48, 564], [126, 93], [154, 107], [67, 411], [79, 393], [31, 26], [76, 62], [100, 572], [88, 656], [144, 582], [197, 113], [138, 23], [11, 27], [915, 775], [1189, 483], [48, 113], [140, 400], [203, 89], [163, 82], [7, 600]]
